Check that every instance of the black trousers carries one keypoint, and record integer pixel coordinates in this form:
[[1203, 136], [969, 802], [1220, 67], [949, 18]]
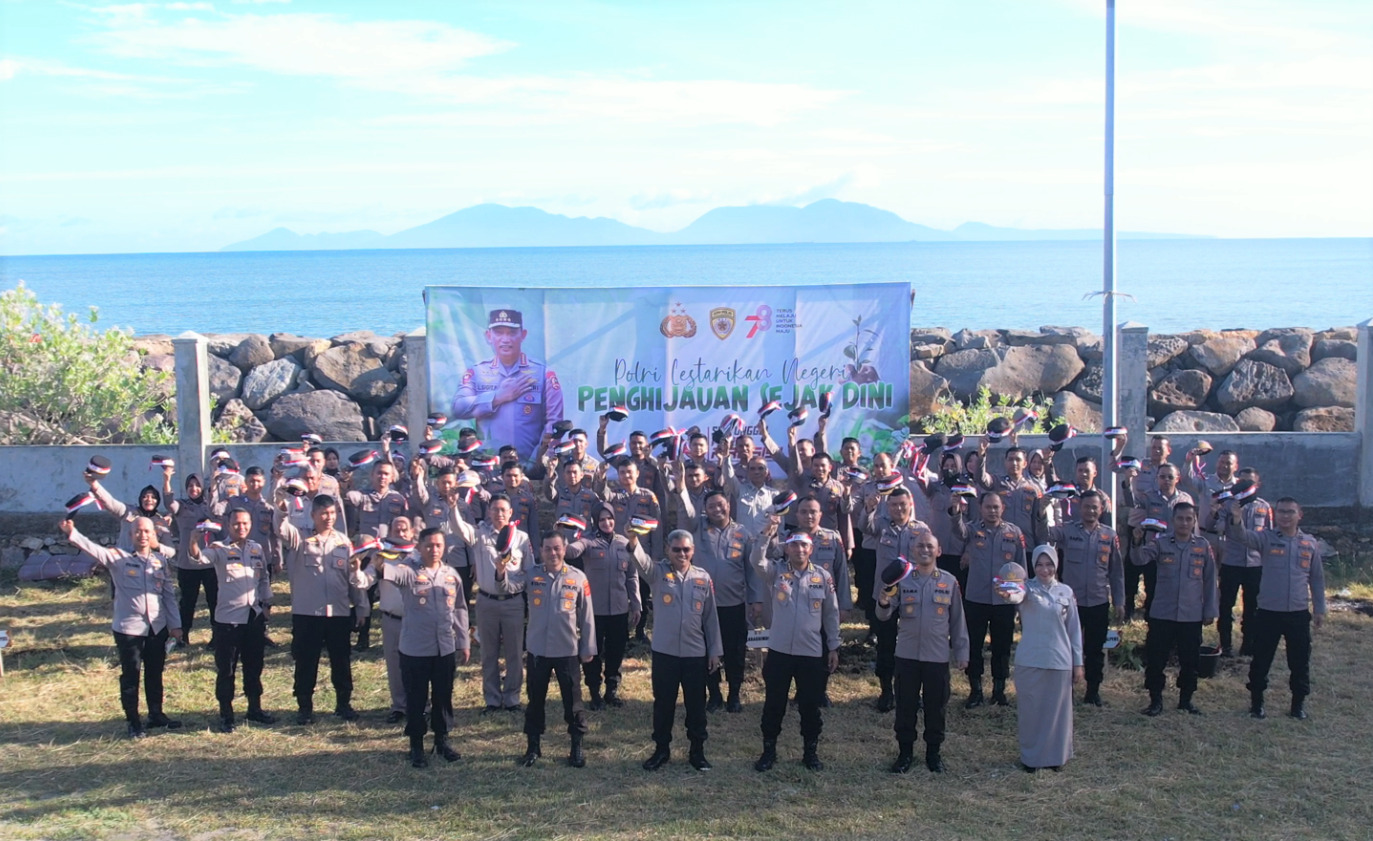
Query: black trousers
[[953, 564], [245, 643], [1149, 572], [428, 680], [689, 675], [864, 574], [1232, 578], [885, 665], [537, 671], [1270, 626], [1093, 621], [734, 638], [809, 673], [311, 635], [150, 653], [1000, 620], [921, 685], [1164, 636], [646, 598], [190, 582], [612, 635]]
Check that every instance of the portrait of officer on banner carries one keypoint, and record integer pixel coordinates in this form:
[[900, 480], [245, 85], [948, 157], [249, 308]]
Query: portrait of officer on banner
[[514, 399]]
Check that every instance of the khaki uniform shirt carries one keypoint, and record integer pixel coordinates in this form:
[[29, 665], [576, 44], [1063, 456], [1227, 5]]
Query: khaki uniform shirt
[[1292, 569], [685, 623], [144, 596], [319, 570], [805, 609], [1185, 589], [245, 585], [1090, 563], [610, 566], [561, 622], [434, 609], [986, 549], [932, 628]]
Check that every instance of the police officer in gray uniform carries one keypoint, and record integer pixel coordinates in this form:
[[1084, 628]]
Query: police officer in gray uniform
[[891, 522], [145, 613], [514, 399], [608, 562], [803, 644], [245, 597], [930, 633], [433, 641], [988, 545], [562, 631], [1293, 581], [1092, 566], [1184, 601], [326, 588], [1240, 566], [686, 645]]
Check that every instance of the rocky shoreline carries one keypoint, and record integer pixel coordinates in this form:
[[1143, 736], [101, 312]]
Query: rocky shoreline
[[352, 386]]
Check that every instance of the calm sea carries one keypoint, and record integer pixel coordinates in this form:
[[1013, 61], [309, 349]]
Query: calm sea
[[1176, 284]]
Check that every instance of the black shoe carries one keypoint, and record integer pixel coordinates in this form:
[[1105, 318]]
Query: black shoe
[[1155, 707], [612, 698], [1298, 710], [904, 761], [810, 758], [417, 759], [934, 761], [160, 720], [532, 752], [515, 708], [768, 758], [715, 704], [305, 715], [999, 693], [1227, 651], [1093, 697], [136, 730], [492, 708], [1256, 705], [1245, 650], [442, 748], [257, 716], [395, 717], [1185, 704], [659, 758], [362, 645], [734, 705], [595, 702], [346, 712], [1027, 769], [226, 724], [697, 757], [886, 702], [974, 701], [575, 757], [870, 639]]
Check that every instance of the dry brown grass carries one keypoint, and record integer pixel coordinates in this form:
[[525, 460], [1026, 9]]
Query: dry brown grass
[[67, 773]]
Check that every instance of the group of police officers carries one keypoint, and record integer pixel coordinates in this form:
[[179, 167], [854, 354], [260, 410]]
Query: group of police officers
[[702, 537]]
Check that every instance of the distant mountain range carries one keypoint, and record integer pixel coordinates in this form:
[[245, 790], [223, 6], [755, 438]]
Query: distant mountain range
[[827, 220]]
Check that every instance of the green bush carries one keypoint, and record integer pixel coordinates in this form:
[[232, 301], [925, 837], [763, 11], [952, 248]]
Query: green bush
[[951, 415], [64, 379]]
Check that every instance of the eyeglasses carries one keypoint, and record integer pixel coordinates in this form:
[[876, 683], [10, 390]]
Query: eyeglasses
[[679, 549]]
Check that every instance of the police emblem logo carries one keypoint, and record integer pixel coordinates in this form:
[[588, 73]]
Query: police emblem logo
[[722, 322], [677, 324]]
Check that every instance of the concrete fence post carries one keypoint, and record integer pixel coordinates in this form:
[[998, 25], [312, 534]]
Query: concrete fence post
[[416, 383], [192, 402], [1132, 368], [1363, 413]]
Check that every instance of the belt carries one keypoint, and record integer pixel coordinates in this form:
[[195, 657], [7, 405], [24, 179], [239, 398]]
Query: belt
[[501, 598], [395, 616]]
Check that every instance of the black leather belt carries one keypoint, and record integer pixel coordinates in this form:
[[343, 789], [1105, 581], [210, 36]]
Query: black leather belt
[[395, 616], [501, 598]]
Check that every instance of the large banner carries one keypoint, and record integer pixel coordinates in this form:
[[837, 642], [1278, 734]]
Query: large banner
[[513, 362]]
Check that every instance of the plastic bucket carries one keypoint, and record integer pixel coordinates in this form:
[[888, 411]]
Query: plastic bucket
[[1208, 658]]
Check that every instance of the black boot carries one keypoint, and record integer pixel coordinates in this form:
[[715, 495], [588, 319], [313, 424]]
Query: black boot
[[417, 759], [575, 757], [999, 692], [1298, 708], [660, 757], [905, 758], [717, 701], [158, 719], [810, 757], [974, 694], [226, 723], [594, 701], [532, 751], [1256, 709], [305, 712], [1093, 695], [136, 729], [346, 712], [1155, 704], [255, 713], [442, 748], [697, 757], [612, 697], [364, 635], [734, 705], [1185, 703], [769, 756], [886, 700], [933, 760]]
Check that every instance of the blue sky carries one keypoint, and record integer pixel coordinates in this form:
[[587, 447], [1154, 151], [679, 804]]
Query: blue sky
[[188, 125]]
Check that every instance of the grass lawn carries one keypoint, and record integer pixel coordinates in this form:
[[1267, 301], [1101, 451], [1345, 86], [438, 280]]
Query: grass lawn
[[69, 773]]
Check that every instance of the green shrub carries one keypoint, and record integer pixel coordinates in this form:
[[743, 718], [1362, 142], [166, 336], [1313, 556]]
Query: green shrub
[[64, 379], [951, 415]]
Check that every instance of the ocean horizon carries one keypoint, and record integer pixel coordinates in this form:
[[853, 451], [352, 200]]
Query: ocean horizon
[[1167, 285]]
